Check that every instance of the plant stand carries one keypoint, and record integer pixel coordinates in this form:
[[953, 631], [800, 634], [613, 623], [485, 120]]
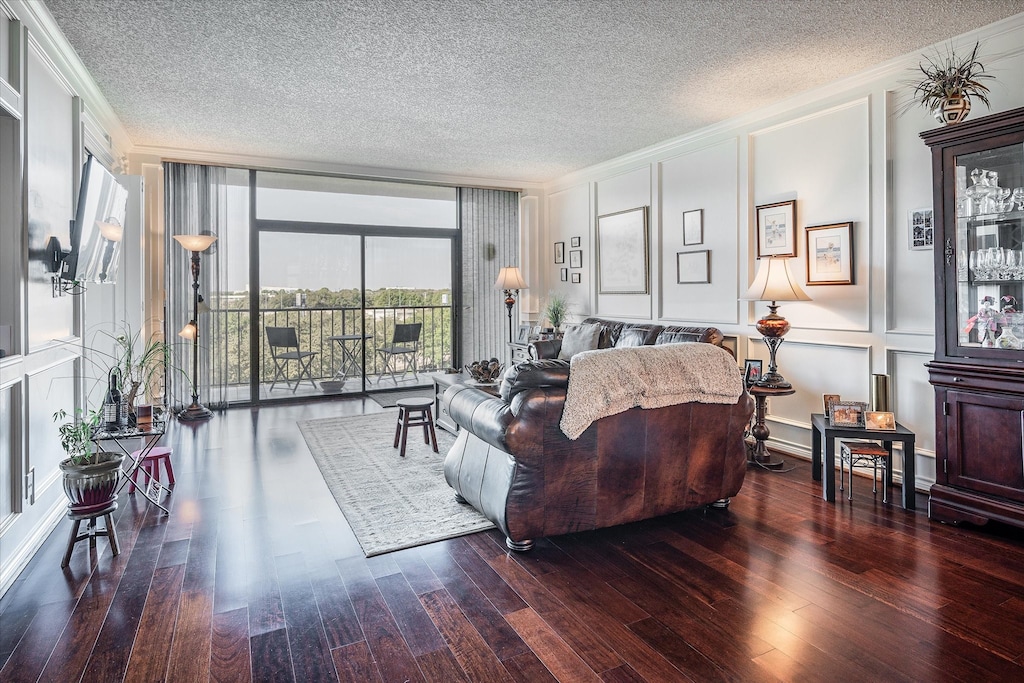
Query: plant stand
[[91, 531]]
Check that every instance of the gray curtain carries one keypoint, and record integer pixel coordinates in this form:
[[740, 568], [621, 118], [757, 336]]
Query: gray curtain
[[489, 221], [195, 203]]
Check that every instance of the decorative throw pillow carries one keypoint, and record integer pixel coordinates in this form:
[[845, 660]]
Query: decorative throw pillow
[[578, 338]]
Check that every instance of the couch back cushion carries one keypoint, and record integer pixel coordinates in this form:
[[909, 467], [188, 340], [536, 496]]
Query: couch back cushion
[[579, 338], [641, 334], [610, 330], [676, 334]]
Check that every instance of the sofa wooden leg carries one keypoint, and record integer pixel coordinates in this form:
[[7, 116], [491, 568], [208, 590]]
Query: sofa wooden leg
[[518, 546], [460, 499], [721, 503]]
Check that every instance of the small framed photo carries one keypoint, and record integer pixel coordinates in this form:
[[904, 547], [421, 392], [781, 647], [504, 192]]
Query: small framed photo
[[693, 267], [535, 331], [776, 229], [576, 258], [524, 334], [574, 242], [693, 227], [752, 371], [828, 400], [880, 420], [576, 278], [847, 414], [559, 252], [830, 254], [563, 273], [922, 232]]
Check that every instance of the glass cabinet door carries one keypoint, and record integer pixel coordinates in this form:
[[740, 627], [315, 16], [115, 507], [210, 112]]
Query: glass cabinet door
[[990, 251]]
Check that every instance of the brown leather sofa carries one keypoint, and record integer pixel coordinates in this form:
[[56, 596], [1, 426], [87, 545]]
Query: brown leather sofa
[[616, 334], [512, 462]]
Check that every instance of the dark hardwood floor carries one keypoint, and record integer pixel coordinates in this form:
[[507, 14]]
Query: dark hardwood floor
[[255, 575]]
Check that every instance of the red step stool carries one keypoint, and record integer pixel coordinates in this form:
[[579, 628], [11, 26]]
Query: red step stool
[[151, 464]]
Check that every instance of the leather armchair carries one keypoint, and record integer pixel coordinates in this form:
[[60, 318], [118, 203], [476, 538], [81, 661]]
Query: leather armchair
[[512, 462]]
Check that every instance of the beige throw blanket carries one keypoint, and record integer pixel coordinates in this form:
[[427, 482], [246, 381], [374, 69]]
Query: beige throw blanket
[[610, 381]]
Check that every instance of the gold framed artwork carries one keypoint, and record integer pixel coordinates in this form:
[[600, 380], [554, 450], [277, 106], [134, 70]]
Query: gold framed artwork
[[776, 229], [829, 254]]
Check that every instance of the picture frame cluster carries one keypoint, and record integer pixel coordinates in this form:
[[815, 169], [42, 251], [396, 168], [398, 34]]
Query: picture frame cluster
[[575, 260]]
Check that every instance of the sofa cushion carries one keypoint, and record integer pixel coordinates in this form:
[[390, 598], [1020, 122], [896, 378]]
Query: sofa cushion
[[609, 331], [637, 335], [579, 338]]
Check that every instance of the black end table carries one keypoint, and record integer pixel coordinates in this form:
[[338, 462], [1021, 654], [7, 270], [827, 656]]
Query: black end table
[[825, 471]]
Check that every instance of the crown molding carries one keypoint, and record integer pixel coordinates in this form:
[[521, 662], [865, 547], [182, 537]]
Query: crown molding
[[51, 40], [141, 152], [828, 94]]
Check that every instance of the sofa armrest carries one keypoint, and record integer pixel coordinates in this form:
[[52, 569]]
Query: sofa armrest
[[481, 413], [546, 348]]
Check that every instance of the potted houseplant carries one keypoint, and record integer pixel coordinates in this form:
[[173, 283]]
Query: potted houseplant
[[556, 309], [140, 365], [949, 82], [90, 475]]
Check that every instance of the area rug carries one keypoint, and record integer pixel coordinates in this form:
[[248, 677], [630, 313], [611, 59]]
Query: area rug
[[389, 399], [390, 502]]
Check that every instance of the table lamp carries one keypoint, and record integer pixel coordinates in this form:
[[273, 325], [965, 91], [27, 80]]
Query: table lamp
[[774, 283]]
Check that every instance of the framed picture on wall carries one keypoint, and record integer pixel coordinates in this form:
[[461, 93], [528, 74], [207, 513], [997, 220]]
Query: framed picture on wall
[[693, 227], [622, 259], [922, 232], [776, 229], [559, 252], [830, 254], [693, 267], [564, 274], [574, 242], [576, 278], [575, 258]]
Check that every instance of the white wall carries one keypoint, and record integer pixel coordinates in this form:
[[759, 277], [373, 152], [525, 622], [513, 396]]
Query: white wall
[[843, 154]]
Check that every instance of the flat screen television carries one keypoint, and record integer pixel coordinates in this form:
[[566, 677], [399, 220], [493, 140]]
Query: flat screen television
[[98, 227]]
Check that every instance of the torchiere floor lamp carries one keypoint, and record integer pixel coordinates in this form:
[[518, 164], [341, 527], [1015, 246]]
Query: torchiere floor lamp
[[511, 281], [195, 244]]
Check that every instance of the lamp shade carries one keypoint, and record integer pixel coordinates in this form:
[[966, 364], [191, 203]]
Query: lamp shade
[[190, 331], [196, 242], [110, 230], [774, 282], [510, 278]]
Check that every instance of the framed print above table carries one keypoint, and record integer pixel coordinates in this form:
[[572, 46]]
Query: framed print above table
[[830, 254], [622, 259], [776, 229]]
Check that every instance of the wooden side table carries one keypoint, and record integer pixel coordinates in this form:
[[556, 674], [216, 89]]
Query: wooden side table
[[444, 380], [760, 455]]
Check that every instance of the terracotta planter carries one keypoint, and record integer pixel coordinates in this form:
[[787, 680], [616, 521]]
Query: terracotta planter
[[953, 109], [93, 486]]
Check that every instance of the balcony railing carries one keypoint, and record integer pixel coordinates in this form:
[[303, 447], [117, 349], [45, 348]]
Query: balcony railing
[[230, 338]]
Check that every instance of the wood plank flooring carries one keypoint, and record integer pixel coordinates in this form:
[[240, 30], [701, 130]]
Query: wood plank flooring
[[255, 576]]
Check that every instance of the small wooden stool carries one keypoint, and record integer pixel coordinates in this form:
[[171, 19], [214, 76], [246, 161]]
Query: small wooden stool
[[91, 532], [855, 453], [415, 412], [159, 454]]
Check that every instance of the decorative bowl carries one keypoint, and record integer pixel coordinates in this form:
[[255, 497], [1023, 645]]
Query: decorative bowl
[[485, 371]]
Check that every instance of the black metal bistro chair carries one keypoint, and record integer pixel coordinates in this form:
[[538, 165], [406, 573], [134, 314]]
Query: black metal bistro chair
[[284, 347], [404, 342]]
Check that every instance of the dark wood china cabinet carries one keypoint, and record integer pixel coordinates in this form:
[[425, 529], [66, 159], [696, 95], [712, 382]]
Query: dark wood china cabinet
[[978, 370]]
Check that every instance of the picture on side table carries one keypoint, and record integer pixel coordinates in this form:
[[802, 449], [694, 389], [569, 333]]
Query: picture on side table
[[847, 414], [830, 254], [752, 371], [880, 420], [559, 252], [776, 229], [524, 334], [828, 400]]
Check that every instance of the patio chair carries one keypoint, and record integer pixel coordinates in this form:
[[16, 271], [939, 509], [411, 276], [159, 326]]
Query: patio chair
[[284, 347], [404, 342]]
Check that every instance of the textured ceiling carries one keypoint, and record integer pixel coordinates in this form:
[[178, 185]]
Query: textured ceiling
[[510, 89]]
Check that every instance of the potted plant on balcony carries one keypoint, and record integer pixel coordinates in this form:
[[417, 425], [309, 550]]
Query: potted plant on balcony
[[90, 475], [948, 84]]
